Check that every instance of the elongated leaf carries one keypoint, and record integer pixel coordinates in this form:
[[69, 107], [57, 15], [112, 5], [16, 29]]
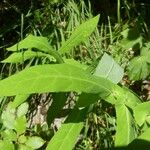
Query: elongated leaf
[[125, 126], [142, 112], [138, 68], [80, 34], [38, 42], [54, 78], [109, 69], [66, 136], [23, 56], [31, 41]]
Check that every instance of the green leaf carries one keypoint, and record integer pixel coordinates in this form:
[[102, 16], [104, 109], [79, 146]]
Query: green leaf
[[109, 69], [38, 42], [145, 135], [123, 96], [20, 57], [125, 131], [18, 100], [54, 78], [138, 68], [8, 117], [142, 142], [75, 63], [79, 35], [20, 125], [6, 145], [24, 147], [31, 41], [66, 136], [22, 109], [142, 113], [59, 100], [22, 139], [34, 142], [9, 135]]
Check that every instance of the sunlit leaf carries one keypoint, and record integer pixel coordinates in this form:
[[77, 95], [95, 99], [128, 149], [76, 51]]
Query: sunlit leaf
[[38, 42], [20, 57], [54, 78], [125, 132], [9, 135], [34, 142], [142, 112], [80, 34], [6, 145], [20, 125], [66, 136], [22, 109], [109, 69], [31, 41]]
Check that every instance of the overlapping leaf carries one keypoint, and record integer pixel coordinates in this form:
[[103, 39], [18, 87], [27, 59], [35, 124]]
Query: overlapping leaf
[[54, 78], [67, 135], [109, 69], [19, 57], [125, 126], [31, 41], [142, 113], [38, 42]]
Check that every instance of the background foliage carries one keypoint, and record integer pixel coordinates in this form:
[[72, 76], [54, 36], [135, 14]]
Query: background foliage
[[66, 65]]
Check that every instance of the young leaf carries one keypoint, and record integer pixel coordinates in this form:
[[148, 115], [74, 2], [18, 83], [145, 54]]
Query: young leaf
[[109, 69], [34, 142], [20, 57], [20, 125], [142, 112], [54, 78], [125, 126], [80, 34], [138, 68], [66, 136]]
